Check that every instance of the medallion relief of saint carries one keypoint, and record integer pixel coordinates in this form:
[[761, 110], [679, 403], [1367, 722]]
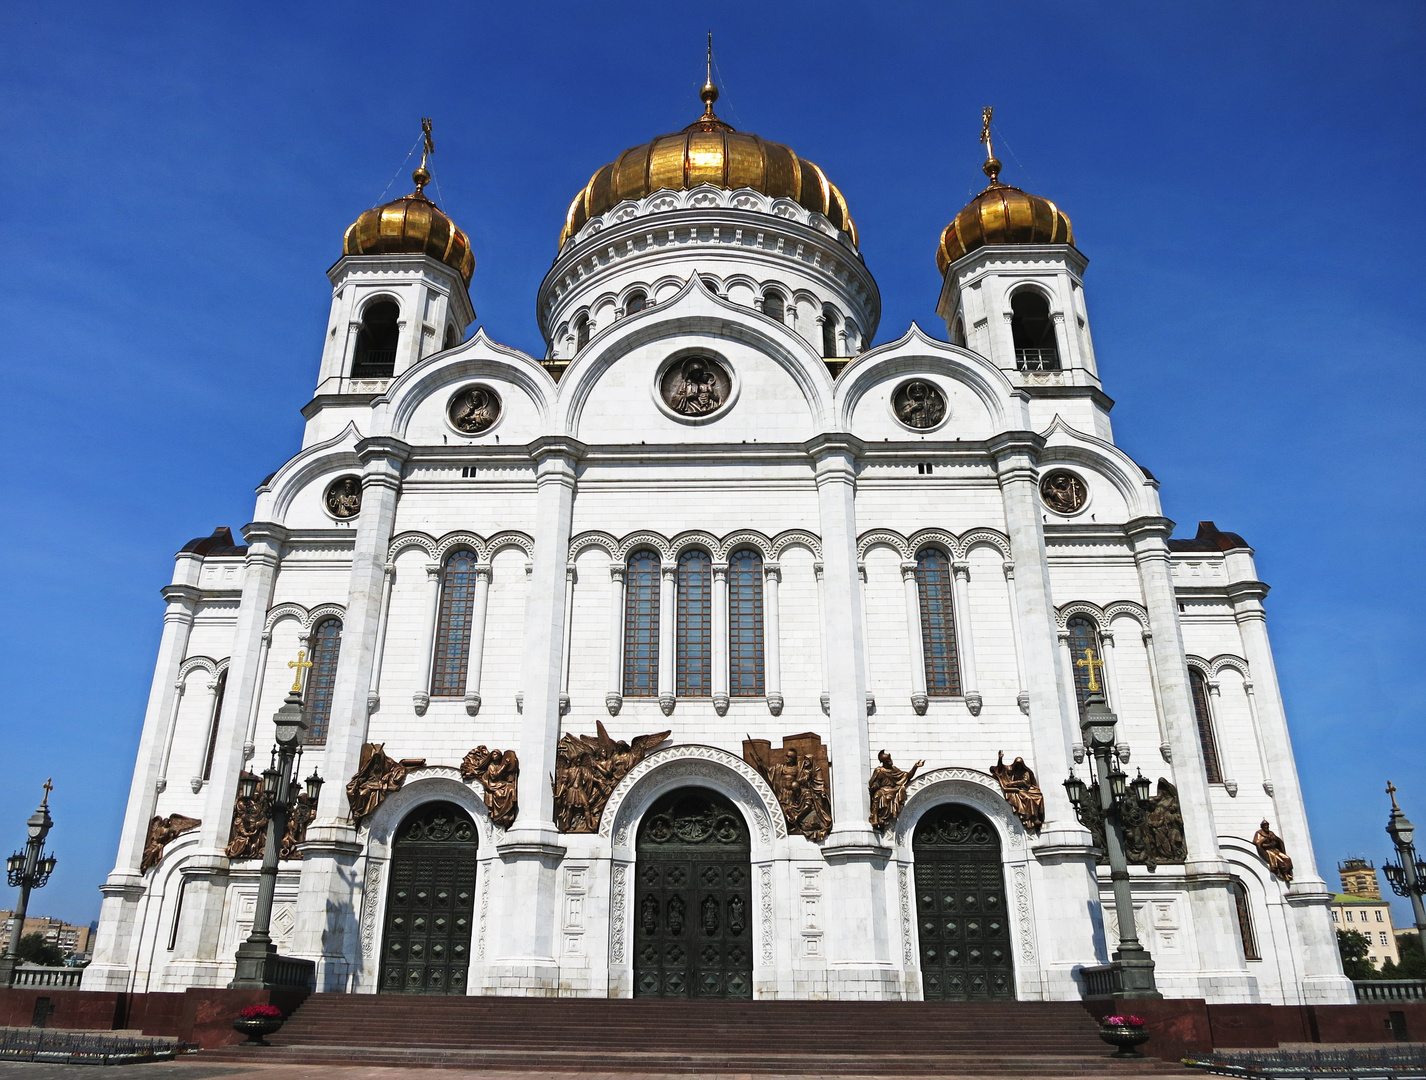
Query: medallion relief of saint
[[343, 497], [697, 386], [918, 404], [1063, 492], [474, 409]]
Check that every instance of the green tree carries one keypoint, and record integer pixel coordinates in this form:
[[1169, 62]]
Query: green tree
[[35, 949], [1413, 961]]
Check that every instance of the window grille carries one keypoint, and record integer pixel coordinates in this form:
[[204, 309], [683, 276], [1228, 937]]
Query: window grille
[[938, 624], [1245, 920], [641, 625], [213, 724], [636, 301], [829, 331], [581, 332], [1083, 634], [773, 306], [326, 643], [453, 625], [1204, 715], [695, 624], [745, 623]]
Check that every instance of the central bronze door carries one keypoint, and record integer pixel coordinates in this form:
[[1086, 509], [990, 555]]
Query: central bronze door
[[960, 902], [425, 943], [693, 907]]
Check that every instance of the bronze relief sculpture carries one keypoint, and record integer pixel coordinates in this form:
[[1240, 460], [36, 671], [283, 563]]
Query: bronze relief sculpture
[[1063, 492], [301, 814], [162, 832], [587, 770], [919, 404], [800, 775], [1273, 852], [343, 497], [474, 409], [1021, 791], [248, 833], [499, 775], [377, 777], [887, 787], [1153, 833], [695, 386]]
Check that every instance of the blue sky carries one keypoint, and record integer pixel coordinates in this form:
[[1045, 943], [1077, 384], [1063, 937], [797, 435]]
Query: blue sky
[[1245, 179]]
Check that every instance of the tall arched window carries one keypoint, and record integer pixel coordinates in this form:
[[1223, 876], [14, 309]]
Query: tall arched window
[[774, 306], [958, 332], [326, 642], [641, 625], [376, 341], [1033, 331], [745, 623], [213, 724], [635, 301], [1203, 713], [938, 623], [695, 624], [1083, 634], [453, 624], [829, 331], [581, 332], [1245, 920], [452, 337]]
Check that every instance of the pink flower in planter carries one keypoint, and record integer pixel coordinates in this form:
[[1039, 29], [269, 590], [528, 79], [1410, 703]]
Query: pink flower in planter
[[261, 1012]]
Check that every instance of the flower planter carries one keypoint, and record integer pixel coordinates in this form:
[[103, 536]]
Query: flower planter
[[1127, 1037], [257, 1028]]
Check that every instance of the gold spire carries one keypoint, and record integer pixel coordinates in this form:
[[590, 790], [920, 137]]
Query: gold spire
[[992, 163], [422, 175], [709, 93]]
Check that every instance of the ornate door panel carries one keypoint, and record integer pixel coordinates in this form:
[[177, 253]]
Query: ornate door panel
[[960, 903], [693, 932], [425, 943]]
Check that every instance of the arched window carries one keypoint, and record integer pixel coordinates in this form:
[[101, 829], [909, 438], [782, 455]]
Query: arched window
[[1245, 920], [1203, 713], [453, 625], [1033, 331], [452, 337], [829, 331], [938, 623], [641, 625], [1083, 634], [635, 301], [958, 332], [376, 341], [745, 623], [774, 307], [326, 642], [213, 724], [695, 624], [581, 332]]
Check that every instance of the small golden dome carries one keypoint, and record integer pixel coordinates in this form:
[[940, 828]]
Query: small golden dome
[[411, 225], [708, 151], [1002, 214]]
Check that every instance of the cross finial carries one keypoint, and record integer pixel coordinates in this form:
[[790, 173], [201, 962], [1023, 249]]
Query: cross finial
[[991, 167], [709, 93], [48, 786], [301, 664], [1091, 664], [422, 175], [1391, 790]]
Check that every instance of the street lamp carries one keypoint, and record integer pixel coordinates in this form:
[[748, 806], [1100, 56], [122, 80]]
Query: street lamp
[[1408, 876], [259, 966], [1108, 799], [26, 870]]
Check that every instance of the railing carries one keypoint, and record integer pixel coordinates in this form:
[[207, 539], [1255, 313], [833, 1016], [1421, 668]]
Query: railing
[[1378, 990], [1037, 359], [374, 364], [47, 977], [1104, 980], [294, 974], [82, 1047], [1376, 1063]]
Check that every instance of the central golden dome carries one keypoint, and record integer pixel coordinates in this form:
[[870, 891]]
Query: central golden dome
[[708, 151]]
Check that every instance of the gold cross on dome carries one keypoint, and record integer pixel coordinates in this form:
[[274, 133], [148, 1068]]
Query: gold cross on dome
[[985, 115], [301, 664], [48, 785], [1091, 663]]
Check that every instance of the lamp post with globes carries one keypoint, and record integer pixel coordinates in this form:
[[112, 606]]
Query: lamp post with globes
[[259, 967], [26, 870], [1408, 876]]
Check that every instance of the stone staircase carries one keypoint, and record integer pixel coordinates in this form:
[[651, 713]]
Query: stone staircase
[[844, 1038]]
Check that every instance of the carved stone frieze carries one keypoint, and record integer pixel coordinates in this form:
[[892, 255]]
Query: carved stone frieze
[[887, 788], [376, 778], [162, 832], [587, 769], [800, 775], [370, 901], [499, 774], [1022, 791]]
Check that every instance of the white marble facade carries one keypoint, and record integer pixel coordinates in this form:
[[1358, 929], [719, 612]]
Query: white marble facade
[[806, 462]]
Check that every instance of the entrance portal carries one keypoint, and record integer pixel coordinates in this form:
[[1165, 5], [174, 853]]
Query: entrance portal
[[960, 899], [692, 929], [425, 944]]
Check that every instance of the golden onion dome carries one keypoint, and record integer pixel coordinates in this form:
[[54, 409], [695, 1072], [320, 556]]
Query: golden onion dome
[[708, 151], [411, 225], [1002, 214]]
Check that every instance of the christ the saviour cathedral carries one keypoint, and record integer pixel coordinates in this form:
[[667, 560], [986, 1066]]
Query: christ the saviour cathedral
[[718, 652]]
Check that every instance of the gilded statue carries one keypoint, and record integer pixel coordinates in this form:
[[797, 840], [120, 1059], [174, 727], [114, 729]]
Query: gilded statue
[[499, 774], [299, 816], [587, 770], [162, 831], [888, 790], [1273, 852], [249, 829], [1021, 791], [377, 777], [801, 778]]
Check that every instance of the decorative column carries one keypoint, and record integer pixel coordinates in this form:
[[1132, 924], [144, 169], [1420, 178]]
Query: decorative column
[[421, 699], [772, 643], [614, 696], [161, 784], [1258, 736], [1022, 698], [196, 781], [570, 577], [866, 653], [1165, 746], [919, 701], [668, 621], [326, 929], [825, 698], [965, 635], [720, 638], [1224, 757], [250, 739], [475, 659], [1122, 749], [373, 693]]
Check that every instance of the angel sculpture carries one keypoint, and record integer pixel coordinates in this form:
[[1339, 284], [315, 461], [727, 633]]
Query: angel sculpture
[[499, 775], [1021, 791], [249, 829], [587, 770], [162, 831], [377, 777], [888, 790], [302, 814], [1274, 852]]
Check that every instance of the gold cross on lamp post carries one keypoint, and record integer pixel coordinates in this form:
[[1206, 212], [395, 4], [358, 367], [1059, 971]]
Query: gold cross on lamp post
[[301, 664], [1091, 663], [48, 785], [1391, 790]]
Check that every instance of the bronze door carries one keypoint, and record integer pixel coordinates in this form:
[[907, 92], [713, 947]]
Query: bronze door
[[960, 902], [693, 907], [425, 944]]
